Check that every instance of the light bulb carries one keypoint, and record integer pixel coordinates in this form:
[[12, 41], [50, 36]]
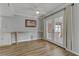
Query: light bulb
[[37, 12]]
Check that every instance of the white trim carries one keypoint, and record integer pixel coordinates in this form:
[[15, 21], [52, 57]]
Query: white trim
[[72, 51], [5, 45], [66, 49], [55, 43], [57, 9]]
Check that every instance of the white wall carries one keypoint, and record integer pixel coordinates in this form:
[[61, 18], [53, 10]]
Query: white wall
[[17, 24], [5, 10], [40, 28], [9, 22]]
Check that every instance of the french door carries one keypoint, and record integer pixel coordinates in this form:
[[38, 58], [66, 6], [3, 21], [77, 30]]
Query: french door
[[58, 30], [55, 28]]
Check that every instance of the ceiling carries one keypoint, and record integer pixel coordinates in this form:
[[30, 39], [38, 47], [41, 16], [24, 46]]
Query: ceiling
[[29, 9]]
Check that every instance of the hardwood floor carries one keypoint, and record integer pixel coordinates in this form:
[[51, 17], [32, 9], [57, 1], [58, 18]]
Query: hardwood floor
[[34, 48]]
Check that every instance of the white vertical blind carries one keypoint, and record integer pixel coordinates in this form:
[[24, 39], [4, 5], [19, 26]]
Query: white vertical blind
[[0, 22], [68, 18], [75, 41]]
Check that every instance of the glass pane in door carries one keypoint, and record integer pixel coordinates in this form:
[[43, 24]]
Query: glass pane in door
[[58, 30]]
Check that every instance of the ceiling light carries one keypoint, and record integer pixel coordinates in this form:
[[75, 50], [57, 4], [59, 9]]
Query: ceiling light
[[37, 12]]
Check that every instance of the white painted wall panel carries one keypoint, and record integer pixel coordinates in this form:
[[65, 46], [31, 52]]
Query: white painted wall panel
[[6, 10], [16, 24], [5, 39]]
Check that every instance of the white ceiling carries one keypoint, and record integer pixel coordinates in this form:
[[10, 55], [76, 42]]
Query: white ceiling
[[29, 9]]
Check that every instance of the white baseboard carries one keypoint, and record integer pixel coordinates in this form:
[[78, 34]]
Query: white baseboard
[[54, 43], [26, 40], [72, 52], [18, 42], [66, 49], [4, 45]]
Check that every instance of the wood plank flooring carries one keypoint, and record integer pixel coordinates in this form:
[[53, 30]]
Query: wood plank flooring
[[34, 48]]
